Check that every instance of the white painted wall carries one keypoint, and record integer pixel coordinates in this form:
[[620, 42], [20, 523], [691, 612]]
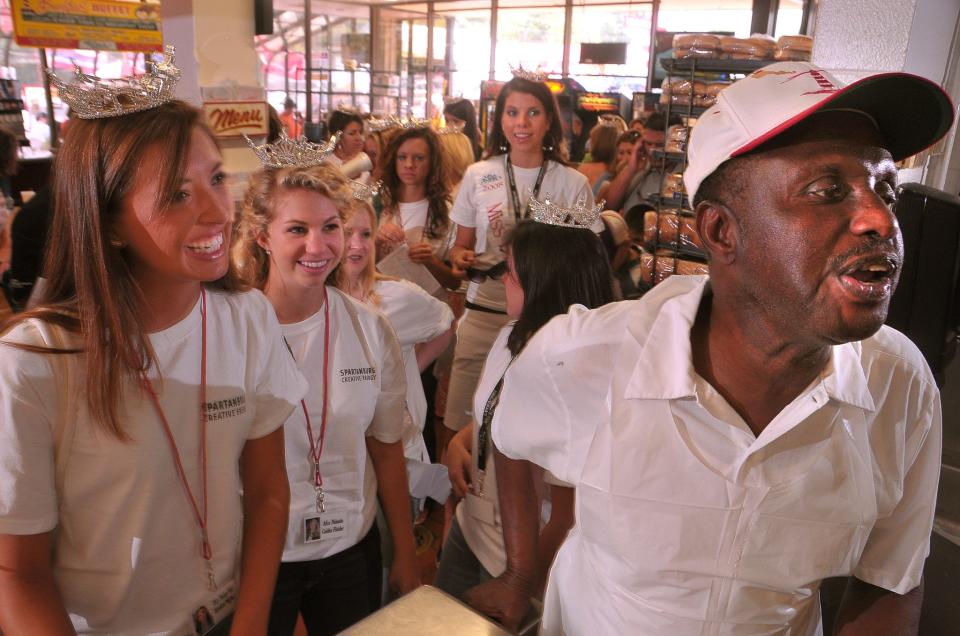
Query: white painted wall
[[218, 59], [856, 38]]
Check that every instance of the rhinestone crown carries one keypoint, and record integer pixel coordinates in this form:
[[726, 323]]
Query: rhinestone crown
[[290, 153], [91, 97], [533, 76], [378, 124], [581, 215], [363, 191]]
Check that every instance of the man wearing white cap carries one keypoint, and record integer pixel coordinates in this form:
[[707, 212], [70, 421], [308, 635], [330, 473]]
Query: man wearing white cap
[[736, 439]]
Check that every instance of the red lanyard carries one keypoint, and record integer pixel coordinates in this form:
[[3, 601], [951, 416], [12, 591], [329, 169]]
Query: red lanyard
[[199, 515], [316, 447]]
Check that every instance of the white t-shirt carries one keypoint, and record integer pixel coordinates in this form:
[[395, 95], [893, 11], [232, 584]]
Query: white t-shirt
[[127, 550], [416, 317], [412, 218], [686, 520], [367, 392], [483, 202]]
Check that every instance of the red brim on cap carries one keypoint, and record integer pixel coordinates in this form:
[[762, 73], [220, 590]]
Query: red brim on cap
[[912, 113]]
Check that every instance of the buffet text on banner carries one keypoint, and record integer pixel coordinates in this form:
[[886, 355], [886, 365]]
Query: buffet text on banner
[[105, 25]]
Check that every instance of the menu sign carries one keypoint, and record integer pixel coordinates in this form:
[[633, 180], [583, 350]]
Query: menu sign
[[232, 119]]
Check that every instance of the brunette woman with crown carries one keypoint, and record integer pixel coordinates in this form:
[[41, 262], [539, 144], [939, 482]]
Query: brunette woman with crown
[[526, 158], [147, 392]]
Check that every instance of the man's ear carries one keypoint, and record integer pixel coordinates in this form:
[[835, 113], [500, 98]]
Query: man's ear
[[718, 231]]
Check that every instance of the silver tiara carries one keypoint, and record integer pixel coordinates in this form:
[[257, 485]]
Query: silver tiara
[[364, 192], [449, 129], [379, 124], [533, 76], [582, 215], [289, 153], [91, 97]]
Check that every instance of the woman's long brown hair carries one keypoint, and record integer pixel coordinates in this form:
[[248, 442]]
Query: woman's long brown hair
[[437, 185], [91, 289]]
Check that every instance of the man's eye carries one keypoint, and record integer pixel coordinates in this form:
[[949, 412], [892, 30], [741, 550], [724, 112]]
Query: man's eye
[[828, 191]]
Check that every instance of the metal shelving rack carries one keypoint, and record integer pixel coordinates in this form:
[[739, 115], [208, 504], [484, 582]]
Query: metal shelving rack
[[688, 68]]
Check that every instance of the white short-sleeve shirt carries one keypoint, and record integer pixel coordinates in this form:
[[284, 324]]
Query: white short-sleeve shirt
[[367, 393], [127, 550], [483, 202], [416, 317], [685, 520]]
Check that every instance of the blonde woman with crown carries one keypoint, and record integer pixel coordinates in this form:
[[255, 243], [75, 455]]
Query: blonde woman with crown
[[525, 158], [344, 443], [141, 450], [493, 557]]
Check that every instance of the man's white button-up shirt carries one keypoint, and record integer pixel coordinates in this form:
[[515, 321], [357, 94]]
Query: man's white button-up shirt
[[687, 522]]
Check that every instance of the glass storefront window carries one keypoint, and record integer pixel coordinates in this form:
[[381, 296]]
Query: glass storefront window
[[529, 32], [612, 24], [789, 17], [724, 16], [469, 27]]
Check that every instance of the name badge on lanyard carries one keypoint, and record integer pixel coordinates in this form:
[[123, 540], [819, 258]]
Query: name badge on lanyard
[[211, 613], [332, 524]]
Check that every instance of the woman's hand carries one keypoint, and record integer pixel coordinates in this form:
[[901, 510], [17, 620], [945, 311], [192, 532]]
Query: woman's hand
[[421, 253], [404, 574], [462, 258], [391, 233], [459, 461]]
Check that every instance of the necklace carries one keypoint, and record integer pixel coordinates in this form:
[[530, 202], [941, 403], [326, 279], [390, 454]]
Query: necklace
[[199, 510], [316, 445]]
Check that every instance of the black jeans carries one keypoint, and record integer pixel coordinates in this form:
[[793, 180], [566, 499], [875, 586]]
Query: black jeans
[[331, 594]]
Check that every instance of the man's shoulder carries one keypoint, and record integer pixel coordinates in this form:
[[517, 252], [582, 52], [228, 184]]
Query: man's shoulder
[[894, 351], [620, 322]]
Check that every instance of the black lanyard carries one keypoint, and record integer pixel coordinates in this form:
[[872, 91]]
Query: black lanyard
[[488, 410], [515, 198]]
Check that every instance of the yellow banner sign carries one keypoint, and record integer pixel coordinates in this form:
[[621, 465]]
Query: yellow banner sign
[[106, 25], [231, 119]]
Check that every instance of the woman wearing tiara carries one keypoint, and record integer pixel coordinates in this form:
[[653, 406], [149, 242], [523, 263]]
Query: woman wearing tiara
[[421, 322], [416, 202], [344, 442], [145, 395], [494, 533], [526, 159], [349, 147]]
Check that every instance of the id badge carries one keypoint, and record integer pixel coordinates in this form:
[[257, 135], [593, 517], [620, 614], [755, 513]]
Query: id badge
[[326, 526], [480, 509], [216, 608]]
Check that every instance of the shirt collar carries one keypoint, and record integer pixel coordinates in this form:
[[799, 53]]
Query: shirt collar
[[664, 369], [844, 379]]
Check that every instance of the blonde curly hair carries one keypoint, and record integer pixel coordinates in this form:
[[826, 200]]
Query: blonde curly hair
[[250, 259]]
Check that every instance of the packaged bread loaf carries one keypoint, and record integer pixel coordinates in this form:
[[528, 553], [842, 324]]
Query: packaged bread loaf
[[667, 228], [753, 48], [646, 266], [672, 187], [712, 89], [687, 45], [676, 140], [794, 47], [650, 227], [687, 267]]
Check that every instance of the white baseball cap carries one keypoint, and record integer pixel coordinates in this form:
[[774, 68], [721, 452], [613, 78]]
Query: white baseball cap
[[910, 112]]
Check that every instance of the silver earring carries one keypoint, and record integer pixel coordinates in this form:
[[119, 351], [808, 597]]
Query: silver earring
[[267, 251], [504, 147]]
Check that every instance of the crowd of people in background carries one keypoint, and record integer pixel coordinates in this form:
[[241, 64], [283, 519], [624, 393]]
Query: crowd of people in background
[[357, 323]]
